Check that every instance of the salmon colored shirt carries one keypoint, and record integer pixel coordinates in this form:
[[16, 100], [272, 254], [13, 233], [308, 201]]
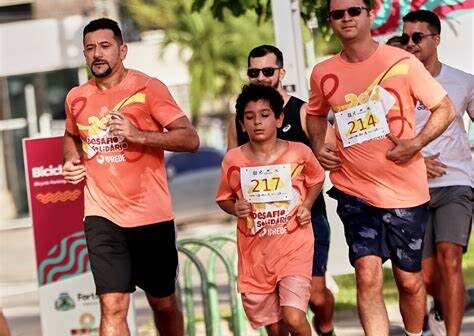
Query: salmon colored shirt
[[282, 247], [366, 172], [125, 182]]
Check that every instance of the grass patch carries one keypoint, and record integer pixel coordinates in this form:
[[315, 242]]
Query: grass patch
[[346, 297]]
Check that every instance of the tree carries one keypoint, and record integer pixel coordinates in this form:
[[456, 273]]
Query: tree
[[215, 50], [325, 41]]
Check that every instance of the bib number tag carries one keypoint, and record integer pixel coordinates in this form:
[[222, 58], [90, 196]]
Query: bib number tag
[[266, 184], [365, 121]]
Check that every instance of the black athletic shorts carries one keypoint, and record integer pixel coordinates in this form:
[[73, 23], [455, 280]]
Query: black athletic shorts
[[122, 258], [322, 234]]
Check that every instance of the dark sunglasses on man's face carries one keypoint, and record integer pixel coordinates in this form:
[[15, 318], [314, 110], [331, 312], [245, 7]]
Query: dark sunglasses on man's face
[[267, 72], [416, 37], [338, 14]]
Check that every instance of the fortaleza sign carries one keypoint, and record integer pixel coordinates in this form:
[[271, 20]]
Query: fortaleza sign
[[68, 303]]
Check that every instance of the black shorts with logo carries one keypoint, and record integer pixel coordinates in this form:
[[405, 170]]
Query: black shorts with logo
[[122, 258]]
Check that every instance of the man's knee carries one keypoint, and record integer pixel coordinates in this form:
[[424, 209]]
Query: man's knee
[[319, 294], [317, 299], [163, 305], [114, 305], [369, 274], [411, 284], [449, 257]]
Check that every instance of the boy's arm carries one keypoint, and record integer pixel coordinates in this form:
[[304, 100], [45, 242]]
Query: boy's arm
[[238, 208], [303, 214], [228, 206], [312, 194]]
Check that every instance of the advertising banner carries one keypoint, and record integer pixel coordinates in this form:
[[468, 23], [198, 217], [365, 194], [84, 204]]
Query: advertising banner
[[68, 303]]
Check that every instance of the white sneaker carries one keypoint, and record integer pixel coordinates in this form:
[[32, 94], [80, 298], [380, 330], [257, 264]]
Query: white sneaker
[[436, 324]]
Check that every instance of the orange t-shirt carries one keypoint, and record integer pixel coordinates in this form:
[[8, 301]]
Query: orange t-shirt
[[282, 247], [366, 172], [125, 182]]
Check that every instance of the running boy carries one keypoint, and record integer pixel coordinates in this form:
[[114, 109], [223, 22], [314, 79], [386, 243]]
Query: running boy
[[269, 185]]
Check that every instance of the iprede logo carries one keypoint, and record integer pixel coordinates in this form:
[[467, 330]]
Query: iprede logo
[[49, 171]]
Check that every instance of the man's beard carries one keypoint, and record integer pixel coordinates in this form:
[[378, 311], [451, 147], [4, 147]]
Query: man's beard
[[101, 74]]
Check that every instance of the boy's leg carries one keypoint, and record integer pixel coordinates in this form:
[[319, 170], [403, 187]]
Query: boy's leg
[[295, 320], [294, 292], [4, 330], [263, 310], [277, 329]]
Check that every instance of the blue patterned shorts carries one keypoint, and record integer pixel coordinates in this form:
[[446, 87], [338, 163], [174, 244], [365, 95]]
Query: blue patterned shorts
[[395, 234]]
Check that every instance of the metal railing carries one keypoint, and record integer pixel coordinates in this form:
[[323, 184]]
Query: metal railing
[[205, 255]]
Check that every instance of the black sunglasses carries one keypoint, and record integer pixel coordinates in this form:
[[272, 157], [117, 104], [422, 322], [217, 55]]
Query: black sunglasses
[[416, 37], [338, 14], [267, 72]]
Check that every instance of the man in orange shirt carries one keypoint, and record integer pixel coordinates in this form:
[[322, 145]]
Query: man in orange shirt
[[115, 140], [378, 173]]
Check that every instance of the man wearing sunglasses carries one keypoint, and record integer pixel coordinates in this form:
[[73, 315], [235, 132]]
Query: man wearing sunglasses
[[265, 66], [450, 178], [378, 174]]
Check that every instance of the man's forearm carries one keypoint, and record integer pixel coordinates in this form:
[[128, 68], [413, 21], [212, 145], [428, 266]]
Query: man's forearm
[[71, 147], [317, 126], [441, 117], [176, 140]]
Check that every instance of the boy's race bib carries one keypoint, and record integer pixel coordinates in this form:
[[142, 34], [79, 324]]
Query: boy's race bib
[[266, 184]]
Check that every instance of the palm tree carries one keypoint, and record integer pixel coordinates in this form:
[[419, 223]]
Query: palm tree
[[215, 50]]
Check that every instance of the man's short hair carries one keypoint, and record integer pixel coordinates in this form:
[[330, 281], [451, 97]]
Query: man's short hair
[[264, 50], [256, 92], [104, 23], [427, 16], [367, 3]]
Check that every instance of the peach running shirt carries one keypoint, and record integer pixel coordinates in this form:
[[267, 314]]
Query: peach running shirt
[[125, 182], [366, 172], [282, 247]]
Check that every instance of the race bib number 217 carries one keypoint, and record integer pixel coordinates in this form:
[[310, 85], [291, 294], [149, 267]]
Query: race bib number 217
[[265, 184]]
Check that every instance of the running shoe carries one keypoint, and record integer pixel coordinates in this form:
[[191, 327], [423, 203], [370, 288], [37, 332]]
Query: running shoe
[[436, 322]]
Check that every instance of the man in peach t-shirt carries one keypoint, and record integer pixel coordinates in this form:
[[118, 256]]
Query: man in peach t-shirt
[[115, 141], [378, 173]]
